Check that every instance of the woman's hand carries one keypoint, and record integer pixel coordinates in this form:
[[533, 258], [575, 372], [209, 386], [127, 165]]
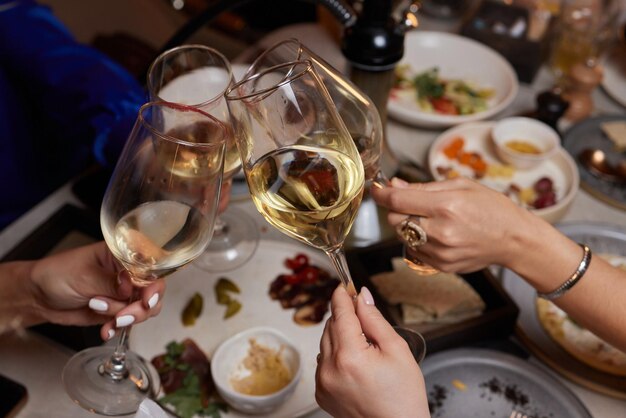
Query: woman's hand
[[357, 379], [469, 226], [82, 287]]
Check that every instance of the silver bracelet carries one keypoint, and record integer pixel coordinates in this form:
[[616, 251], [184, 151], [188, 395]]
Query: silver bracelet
[[574, 278]]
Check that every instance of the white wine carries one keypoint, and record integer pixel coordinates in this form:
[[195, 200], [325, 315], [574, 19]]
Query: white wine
[[232, 162], [191, 161], [309, 193], [369, 152], [157, 238], [196, 88]]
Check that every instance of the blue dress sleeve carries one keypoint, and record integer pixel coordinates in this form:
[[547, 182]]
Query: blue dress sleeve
[[92, 100]]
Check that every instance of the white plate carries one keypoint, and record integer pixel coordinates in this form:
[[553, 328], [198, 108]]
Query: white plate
[[561, 168], [614, 80], [457, 57], [149, 339]]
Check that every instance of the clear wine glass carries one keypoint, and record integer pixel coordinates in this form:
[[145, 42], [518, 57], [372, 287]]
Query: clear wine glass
[[358, 113], [303, 169], [198, 76], [157, 215]]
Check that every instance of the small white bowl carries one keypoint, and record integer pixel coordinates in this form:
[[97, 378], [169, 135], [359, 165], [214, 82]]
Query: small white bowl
[[532, 131], [230, 355]]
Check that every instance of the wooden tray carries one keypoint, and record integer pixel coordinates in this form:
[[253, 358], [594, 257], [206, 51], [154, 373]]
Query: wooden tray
[[498, 320]]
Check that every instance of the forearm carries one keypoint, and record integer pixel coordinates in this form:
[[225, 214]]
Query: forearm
[[545, 258], [18, 302]]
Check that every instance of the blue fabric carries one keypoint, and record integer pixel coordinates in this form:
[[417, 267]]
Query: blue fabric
[[63, 105]]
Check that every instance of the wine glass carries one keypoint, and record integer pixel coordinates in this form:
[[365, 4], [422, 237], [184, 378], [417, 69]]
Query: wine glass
[[198, 76], [358, 113], [303, 169], [157, 215], [356, 110]]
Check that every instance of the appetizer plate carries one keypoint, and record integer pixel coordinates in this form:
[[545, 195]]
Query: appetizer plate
[[149, 339], [459, 58], [602, 239], [560, 168], [588, 134], [489, 383]]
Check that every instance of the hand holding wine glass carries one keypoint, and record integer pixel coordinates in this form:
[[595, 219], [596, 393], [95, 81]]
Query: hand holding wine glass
[[157, 215]]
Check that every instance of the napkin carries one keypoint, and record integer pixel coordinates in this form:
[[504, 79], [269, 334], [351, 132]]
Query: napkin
[[150, 409]]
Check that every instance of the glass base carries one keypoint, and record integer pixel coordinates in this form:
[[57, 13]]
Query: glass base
[[415, 264], [233, 246], [416, 342], [91, 387]]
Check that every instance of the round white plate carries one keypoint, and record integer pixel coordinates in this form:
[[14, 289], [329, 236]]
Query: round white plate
[[479, 369], [149, 339], [614, 80], [457, 57], [561, 168]]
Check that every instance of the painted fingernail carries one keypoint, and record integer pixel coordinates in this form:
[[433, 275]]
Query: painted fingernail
[[367, 296], [98, 305], [124, 321], [154, 299], [111, 334], [397, 182]]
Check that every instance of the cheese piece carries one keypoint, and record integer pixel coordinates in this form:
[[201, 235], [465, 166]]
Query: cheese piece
[[616, 131]]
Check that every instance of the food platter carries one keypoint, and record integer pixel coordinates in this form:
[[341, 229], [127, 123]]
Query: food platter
[[150, 338], [602, 239], [560, 168], [588, 134], [485, 383], [465, 59]]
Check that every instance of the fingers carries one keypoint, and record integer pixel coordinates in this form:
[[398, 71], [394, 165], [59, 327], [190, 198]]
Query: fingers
[[345, 329], [417, 198], [374, 325], [148, 305]]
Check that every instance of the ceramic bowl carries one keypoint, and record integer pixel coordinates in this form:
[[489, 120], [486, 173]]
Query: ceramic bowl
[[227, 363], [528, 132]]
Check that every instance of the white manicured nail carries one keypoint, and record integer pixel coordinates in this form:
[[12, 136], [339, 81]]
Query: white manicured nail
[[98, 305], [124, 321], [153, 300], [111, 333]]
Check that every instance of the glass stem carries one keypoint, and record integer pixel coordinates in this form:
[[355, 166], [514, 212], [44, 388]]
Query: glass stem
[[115, 366], [338, 258], [220, 227]]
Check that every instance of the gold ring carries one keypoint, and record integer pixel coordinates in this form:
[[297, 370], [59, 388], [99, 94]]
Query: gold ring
[[410, 231]]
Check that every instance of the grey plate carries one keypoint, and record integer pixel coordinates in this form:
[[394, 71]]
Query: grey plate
[[516, 380], [588, 134], [601, 238]]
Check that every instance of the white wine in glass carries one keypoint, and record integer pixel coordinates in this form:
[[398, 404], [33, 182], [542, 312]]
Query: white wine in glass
[[303, 169], [198, 76], [157, 215]]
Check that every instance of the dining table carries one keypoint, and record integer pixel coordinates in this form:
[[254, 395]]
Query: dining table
[[37, 362]]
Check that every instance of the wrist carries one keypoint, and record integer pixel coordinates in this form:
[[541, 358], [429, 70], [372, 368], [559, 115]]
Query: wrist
[[541, 254], [19, 303]]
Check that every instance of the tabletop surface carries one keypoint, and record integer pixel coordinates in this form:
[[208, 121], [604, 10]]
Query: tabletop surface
[[37, 362]]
